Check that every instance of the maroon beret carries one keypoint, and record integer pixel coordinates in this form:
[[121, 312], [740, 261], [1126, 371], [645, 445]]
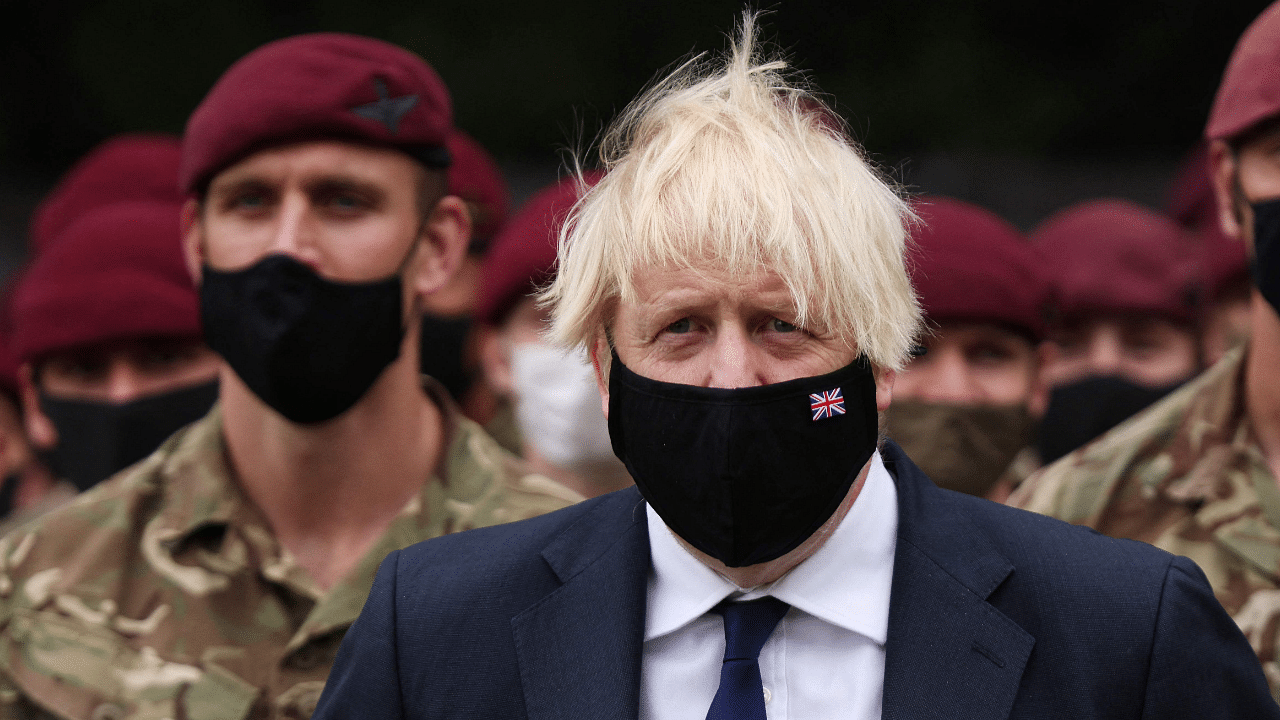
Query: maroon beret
[[474, 176], [116, 273], [1114, 256], [1189, 197], [523, 255], [124, 168], [1250, 88], [8, 361], [320, 86], [968, 264]]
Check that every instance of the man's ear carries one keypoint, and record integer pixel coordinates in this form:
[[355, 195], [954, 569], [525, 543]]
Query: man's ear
[[1038, 401], [443, 242], [601, 350], [192, 240], [40, 429], [1223, 169], [884, 388]]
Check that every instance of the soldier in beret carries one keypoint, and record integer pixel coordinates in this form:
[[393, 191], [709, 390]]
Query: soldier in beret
[[1127, 286], [964, 410], [1196, 474], [552, 391], [106, 325], [217, 577], [105, 319]]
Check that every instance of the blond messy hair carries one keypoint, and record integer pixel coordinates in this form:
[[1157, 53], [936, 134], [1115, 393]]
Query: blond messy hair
[[729, 165]]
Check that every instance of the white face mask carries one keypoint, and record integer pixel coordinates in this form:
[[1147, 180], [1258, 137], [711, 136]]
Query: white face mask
[[558, 405]]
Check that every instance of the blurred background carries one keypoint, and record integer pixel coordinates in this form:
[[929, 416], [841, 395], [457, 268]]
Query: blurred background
[[1018, 106]]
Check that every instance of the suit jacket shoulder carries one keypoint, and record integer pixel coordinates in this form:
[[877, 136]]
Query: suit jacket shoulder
[[1059, 621]]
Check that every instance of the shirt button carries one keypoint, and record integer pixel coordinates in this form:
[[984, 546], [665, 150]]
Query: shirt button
[[767, 696]]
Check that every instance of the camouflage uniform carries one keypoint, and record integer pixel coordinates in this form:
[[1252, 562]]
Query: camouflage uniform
[[163, 594], [1185, 475]]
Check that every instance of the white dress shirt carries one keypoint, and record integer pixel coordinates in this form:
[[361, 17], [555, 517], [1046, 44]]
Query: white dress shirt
[[826, 657]]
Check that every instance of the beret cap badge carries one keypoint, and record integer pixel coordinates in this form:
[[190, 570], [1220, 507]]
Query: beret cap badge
[[386, 109]]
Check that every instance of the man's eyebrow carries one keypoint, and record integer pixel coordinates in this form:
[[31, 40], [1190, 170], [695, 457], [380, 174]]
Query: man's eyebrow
[[235, 186], [332, 183]]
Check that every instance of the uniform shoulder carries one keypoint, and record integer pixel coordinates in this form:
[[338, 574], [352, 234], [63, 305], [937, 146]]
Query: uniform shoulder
[[484, 484], [1137, 450], [100, 530]]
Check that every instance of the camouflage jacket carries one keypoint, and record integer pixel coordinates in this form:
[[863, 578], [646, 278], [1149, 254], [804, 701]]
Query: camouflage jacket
[[1185, 475], [162, 593]]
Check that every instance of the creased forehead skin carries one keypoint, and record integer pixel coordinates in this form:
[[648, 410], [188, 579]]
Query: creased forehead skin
[[729, 166]]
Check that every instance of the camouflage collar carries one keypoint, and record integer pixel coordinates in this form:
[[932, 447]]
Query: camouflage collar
[[202, 495], [1213, 435]]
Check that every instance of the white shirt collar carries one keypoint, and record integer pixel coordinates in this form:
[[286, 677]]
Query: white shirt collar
[[846, 582]]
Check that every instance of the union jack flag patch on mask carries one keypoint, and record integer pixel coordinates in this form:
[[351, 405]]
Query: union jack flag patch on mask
[[826, 404]]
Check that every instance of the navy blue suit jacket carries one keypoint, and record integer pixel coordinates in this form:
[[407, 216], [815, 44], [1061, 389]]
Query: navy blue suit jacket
[[994, 613]]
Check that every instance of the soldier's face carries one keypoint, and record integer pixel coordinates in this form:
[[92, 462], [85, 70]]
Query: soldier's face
[[347, 211], [116, 372], [126, 370], [352, 213], [1147, 350], [974, 364]]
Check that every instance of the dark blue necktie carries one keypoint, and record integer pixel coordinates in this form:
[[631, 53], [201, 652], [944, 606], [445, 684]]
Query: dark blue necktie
[[747, 625]]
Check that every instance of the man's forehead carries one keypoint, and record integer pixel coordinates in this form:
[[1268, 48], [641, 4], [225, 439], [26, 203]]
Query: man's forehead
[[322, 158], [964, 329], [659, 287]]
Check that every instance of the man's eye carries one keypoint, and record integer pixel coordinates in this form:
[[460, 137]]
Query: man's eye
[[782, 326], [345, 202], [249, 202], [681, 326], [989, 353]]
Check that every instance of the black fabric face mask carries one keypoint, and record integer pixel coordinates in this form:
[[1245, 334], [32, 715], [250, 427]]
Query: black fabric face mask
[[1264, 266], [443, 343], [96, 439], [1081, 411], [306, 346], [744, 475]]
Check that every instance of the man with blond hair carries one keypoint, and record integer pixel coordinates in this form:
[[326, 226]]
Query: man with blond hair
[[738, 278]]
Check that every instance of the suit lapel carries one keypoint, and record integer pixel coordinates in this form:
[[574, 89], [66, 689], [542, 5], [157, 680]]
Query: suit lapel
[[949, 652], [579, 648]]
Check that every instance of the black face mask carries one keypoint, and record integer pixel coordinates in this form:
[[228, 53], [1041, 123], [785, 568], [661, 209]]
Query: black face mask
[[1083, 410], [443, 343], [96, 439], [306, 346], [744, 475], [1264, 266]]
